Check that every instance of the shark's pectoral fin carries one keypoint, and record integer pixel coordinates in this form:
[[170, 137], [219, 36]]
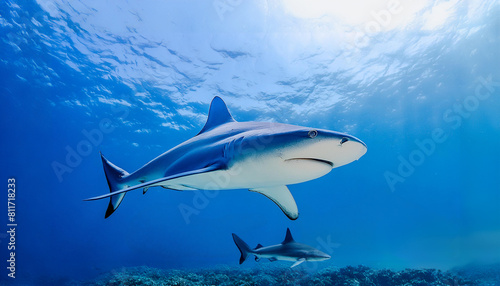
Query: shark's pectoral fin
[[272, 259], [257, 258], [281, 196], [298, 262]]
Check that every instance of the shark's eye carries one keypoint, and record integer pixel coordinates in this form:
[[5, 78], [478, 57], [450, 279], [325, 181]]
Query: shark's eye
[[343, 140], [313, 133]]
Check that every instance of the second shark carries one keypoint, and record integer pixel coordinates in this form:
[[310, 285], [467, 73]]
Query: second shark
[[288, 250]]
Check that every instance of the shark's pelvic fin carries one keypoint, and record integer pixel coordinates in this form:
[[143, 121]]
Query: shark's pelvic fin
[[288, 237], [217, 115], [298, 262], [114, 175], [243, 247], [281, 196]]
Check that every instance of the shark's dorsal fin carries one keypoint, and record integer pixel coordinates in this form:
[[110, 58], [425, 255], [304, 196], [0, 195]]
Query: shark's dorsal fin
[[217, 115], [259, 246], [288, 237]]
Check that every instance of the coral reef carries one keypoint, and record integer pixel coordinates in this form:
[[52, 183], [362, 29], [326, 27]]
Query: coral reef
[[487, 274], [271, 275]]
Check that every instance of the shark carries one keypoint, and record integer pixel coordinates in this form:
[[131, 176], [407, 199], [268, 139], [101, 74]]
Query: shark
[[263, 157], [288, 250]]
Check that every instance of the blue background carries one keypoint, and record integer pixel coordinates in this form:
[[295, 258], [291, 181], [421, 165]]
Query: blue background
[[151, 69]]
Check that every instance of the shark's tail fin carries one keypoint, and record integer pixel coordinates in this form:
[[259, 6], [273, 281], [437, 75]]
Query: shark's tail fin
[[243, 247], [114, 175]]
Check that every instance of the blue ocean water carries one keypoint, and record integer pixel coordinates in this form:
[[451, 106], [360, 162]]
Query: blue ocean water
[[418, 83]]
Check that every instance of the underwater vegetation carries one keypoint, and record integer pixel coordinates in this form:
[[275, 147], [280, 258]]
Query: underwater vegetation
[[282, 275]]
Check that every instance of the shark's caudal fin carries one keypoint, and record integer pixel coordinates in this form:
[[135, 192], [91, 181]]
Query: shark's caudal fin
[[217, 115], [243, 247], [114, 175]]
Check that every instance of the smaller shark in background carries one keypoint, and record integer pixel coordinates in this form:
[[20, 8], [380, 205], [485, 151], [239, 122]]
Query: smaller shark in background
[[288, 250]]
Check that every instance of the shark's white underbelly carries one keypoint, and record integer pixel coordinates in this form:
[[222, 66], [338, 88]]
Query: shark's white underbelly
[[252, 174]]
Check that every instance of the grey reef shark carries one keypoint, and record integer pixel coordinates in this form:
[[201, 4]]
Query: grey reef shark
[[288, 250], [263, 157]]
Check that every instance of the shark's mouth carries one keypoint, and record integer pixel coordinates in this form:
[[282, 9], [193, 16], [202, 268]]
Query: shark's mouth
[[312, 159]]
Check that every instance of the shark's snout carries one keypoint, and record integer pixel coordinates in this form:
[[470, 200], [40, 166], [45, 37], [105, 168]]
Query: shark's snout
[[358, 147], [326, 256], [319, 256], [324, 150], [339, 149]]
